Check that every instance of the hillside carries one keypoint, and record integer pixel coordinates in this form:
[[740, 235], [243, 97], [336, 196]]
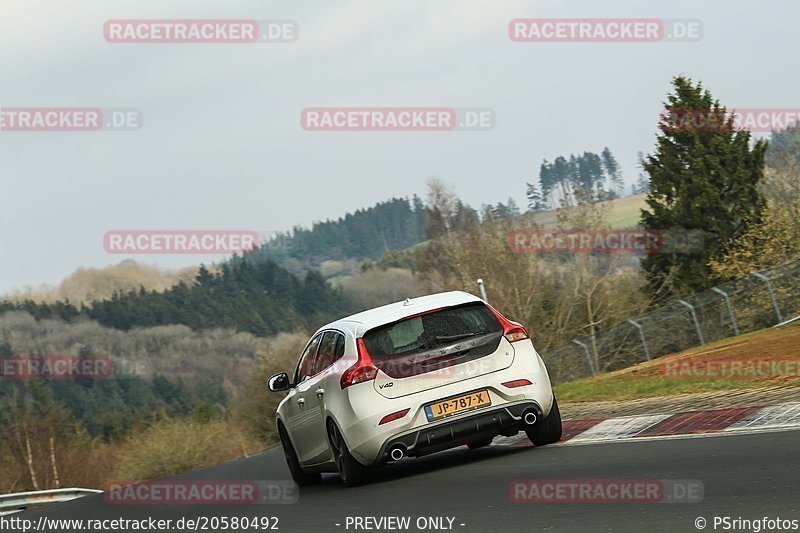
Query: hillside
[[257, 297], [90, 284], [338, 246], [624, 213]]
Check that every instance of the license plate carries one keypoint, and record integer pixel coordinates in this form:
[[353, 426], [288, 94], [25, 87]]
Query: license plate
[[459, 404]]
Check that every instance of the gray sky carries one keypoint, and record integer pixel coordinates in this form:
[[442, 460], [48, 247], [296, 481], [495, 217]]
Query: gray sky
[[222, 148]]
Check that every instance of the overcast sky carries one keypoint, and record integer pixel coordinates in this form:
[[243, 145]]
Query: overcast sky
[[221, 146]]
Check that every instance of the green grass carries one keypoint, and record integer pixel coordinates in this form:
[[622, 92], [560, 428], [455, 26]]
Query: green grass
[[624, 213], [653, 378], [581, 391]]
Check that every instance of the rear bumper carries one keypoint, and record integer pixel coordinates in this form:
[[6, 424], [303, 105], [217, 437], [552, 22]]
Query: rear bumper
[[504, 420]]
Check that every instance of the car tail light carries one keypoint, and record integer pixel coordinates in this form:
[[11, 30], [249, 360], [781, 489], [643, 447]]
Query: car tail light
[[516, 383], [394, 416], [511, 330], [517, 333], [362, 371]]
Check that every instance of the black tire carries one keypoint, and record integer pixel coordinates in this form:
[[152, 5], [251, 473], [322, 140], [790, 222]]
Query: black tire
[[548, 429], [350, 470], [479, 444], [300, 476]]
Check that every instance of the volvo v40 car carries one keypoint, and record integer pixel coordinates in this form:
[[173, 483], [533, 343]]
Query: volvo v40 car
[[409, 379]]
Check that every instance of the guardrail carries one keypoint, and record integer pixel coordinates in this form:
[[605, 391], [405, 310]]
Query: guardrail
[[12, 503], [795, 319], [757, 301]]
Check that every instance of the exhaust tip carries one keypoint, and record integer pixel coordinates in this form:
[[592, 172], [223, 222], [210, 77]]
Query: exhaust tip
[[397, 453], [529, 418]]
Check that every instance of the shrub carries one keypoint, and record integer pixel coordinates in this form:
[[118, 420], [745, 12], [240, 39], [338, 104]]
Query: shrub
[[171, 446]]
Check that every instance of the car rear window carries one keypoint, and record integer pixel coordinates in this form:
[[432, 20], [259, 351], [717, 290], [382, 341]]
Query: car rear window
[[469, 330]]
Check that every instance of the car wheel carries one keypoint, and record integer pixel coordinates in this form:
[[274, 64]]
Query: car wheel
[[479, 444], [300, 476], [548, 429], [351, 471]]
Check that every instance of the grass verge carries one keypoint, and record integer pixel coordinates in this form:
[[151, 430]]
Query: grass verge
[[765, 358]]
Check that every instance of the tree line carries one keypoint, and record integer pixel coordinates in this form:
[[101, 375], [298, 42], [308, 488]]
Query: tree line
[[559, 181], [367, 233], [255, 296]]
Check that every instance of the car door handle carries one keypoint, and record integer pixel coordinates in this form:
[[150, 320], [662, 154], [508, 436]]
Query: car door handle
[[320, 392], [301, 402]]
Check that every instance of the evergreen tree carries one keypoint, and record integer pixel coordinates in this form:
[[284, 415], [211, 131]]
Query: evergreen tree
[[547, 179], [703, 179], [536, 200], [500, 211], [613, 171], [590, 176], [562, 175], [642, 184]]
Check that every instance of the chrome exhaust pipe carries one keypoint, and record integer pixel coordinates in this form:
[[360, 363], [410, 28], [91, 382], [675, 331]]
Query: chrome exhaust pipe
[[397, 453], [529, 418]]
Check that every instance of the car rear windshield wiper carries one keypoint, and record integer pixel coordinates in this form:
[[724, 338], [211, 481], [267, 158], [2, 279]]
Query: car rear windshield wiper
[[460, 336]]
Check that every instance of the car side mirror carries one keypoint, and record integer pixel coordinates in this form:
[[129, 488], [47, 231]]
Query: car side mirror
[[279, 382]]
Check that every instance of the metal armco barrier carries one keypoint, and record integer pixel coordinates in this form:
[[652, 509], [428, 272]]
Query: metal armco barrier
[[11, 503], [757, 301]]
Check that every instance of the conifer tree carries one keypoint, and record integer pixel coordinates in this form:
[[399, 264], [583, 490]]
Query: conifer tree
[[704, 175]]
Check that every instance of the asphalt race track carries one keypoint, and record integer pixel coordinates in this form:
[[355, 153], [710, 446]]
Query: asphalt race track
[[749, 476]]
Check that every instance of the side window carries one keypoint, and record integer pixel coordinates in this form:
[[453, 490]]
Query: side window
[[339, 348], [305, 367], [327, 351]]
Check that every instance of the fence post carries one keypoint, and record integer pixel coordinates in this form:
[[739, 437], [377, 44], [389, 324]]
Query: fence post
[[768, 281], [696, 322], [588, 356], [730, 308], [641, 335], [482, 288]]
